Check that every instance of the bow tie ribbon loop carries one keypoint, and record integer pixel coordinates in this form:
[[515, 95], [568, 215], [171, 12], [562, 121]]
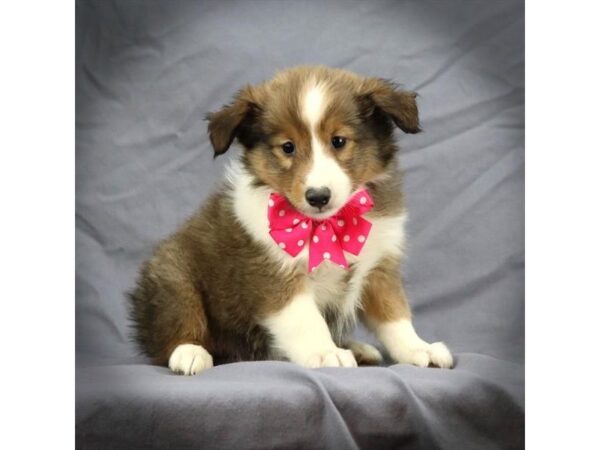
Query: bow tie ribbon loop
[[327, 239]]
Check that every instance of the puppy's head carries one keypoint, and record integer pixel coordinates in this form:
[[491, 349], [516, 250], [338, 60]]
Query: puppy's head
[[315, 134]]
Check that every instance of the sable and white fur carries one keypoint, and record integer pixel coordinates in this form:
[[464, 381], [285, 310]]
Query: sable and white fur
[[221, 288]]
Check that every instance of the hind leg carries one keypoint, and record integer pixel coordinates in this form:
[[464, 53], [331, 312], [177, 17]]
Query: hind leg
[[190, 359], [185, 327], [180, 333], [171, 325]]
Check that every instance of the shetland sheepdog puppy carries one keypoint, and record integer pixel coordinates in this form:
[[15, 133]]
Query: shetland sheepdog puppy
[[303, 236]]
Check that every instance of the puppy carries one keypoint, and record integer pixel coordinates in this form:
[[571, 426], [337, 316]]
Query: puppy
[[304, 235]]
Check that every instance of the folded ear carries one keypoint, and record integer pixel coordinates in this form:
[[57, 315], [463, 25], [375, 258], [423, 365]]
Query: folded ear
[[225, 125], [398, 105]]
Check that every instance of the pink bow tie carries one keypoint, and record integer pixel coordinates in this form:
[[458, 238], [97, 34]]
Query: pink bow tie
[[327, 239]]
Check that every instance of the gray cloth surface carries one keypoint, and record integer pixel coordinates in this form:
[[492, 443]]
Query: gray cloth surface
[[147, 72]]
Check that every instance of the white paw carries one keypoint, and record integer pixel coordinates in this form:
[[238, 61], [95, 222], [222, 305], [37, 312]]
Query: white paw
[[440, 355], [338, 357], [423, 355], [190, 359], [365, 353]]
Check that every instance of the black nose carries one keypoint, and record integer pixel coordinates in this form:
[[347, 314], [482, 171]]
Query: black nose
[[318, 197]]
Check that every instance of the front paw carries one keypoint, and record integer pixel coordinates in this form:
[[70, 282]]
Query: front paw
[[424, 355], [336, 357], [364, 353]]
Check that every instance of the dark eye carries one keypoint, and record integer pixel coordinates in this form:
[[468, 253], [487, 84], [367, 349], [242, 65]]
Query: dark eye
[[288, 148], [338, 141]]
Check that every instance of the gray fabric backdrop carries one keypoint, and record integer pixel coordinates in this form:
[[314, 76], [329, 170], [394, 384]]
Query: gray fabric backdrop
[[147, 72]]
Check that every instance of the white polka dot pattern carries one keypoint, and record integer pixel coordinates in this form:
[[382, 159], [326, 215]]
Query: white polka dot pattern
[[326, 239]]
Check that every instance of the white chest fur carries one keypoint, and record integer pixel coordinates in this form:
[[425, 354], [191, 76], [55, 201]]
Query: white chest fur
[[329, 283]]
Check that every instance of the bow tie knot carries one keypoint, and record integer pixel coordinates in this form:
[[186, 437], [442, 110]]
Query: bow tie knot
[[327, 239]]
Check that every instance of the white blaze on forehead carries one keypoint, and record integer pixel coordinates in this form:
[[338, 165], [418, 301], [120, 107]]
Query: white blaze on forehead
[[314, 104], [325, 171]]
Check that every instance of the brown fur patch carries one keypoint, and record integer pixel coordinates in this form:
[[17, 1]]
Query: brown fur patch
[[383, 298], [387, 193]]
